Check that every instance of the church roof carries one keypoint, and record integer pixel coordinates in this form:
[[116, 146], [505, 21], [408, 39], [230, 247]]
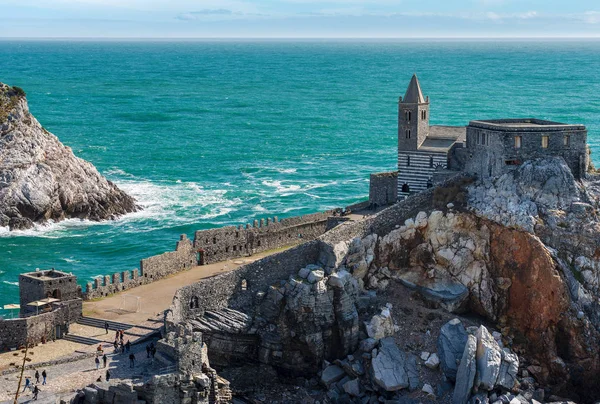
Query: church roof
[[413, 92]]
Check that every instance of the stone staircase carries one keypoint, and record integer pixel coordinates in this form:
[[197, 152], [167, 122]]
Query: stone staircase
[[82, 340]]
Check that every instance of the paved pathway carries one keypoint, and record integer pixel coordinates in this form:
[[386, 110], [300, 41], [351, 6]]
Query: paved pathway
[[67, 377]]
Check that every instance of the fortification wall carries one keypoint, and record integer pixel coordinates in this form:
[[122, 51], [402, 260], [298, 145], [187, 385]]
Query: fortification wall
[[243, 288], [33, 329], [383, 188], [267, 234], [151, 269]]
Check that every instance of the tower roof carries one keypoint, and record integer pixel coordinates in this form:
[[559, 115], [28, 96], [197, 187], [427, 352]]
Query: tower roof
[[413, 92]]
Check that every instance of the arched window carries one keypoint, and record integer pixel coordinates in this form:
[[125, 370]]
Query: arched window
[[409, 116], [409, 133], [406, 116], [431, 161], [405, 188], [406, 133]]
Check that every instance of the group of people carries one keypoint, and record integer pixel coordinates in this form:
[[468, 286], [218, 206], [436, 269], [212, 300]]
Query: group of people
[[35, 389], [119, 345]]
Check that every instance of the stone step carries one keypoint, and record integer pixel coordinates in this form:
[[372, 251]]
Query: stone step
[[82, 340], [99, 323]]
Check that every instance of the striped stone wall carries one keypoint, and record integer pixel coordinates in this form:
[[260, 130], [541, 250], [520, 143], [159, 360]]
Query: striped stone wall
[[416, 167]]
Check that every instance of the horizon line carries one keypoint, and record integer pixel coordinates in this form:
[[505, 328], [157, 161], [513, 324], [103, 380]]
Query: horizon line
[[165, 38]]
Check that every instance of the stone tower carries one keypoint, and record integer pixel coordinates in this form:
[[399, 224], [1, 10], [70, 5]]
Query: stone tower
[[413, 117]]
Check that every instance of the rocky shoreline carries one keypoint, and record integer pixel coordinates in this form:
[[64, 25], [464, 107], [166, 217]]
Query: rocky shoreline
[[41, 179]]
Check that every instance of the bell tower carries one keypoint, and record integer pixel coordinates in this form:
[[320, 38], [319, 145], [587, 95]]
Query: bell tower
[[413, 117]]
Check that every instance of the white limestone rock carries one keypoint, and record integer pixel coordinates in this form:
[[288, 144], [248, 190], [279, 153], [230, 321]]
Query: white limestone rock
[[41, 179], [381, 325], [489, 358], [433, 362]]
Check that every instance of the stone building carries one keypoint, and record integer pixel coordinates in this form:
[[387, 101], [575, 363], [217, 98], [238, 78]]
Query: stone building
[[39, 285], [430, 154], [495, 146], [422, 149]]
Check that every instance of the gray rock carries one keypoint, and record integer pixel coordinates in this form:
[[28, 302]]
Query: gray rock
[[489, 358], [304, 272], [91, 395], [367, 345], [389, 366], [332, 374], [465, 376], [315, 276], [480, 398], [451, 345], [433, 361], [339, 279], [41, 179], [509, 368], [427, 389], [352, 387]]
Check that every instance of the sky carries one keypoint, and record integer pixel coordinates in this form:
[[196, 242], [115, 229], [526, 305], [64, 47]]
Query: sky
[[299, 18]]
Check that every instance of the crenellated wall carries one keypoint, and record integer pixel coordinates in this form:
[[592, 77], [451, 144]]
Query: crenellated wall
[[151, 269], [216, 245], [243, 288]]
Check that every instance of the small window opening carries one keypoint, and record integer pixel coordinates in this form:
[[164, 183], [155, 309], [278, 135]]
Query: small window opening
[[517, 142], [407, 161], [214, 240], [405, 188], [545, 141], [244, 284], [567, 141], [431, 161]]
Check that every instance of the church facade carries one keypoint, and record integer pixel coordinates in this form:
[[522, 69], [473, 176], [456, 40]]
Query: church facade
[[429, 154]]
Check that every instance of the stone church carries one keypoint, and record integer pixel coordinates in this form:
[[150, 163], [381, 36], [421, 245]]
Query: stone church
[[429, 154]]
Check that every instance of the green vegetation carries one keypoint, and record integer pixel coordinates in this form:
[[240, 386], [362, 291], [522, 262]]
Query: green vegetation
[[19, 91]]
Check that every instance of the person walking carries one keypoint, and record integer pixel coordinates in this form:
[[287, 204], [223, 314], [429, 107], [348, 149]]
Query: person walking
[[104, 359], [44, 377], [131, 360], [106, 326], [107, 375], [97, 363], [27, 384], [36, 391], [37, 376]]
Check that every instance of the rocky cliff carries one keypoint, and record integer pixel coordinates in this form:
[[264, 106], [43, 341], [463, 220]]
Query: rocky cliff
[[41, 179], [517, 265]]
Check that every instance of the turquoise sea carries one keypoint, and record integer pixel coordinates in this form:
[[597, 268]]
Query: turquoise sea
[[211, 133]]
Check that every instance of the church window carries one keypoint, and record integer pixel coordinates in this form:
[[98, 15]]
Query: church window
[[409, 133], [407, 161], [567, 141], [517, 142], [406, 116], [409, 116], [406, 134], [478, 138], [431, 161], [483, 139], [545, 141]]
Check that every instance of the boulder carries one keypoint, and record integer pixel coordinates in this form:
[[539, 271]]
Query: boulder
[[489, 357], [304, 272], [509, 368], [465, 375], [352, 387], [451, 345], [433, 362], [428, 389], [389, 366], [315, 276], [332, 374], [367, 345], [381, 325]]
